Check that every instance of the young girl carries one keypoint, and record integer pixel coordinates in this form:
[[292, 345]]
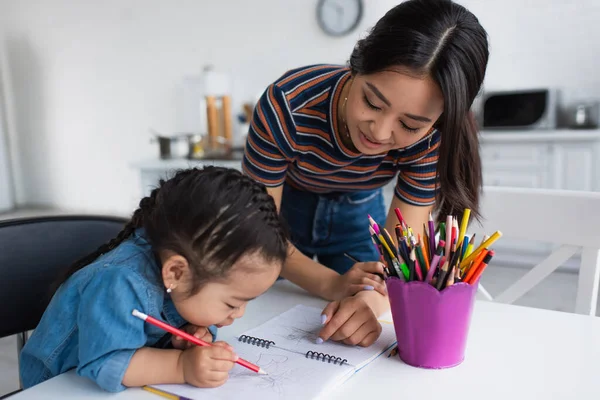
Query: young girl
[[325, 139], [196, 251]]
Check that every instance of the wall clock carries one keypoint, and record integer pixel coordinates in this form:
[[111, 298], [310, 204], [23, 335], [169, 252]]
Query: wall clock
[[339, 17]]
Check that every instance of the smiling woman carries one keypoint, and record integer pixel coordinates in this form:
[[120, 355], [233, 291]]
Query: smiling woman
[[325, 139]]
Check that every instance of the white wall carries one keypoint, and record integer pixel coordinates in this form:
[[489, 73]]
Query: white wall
[[6, 185], [88, 78]]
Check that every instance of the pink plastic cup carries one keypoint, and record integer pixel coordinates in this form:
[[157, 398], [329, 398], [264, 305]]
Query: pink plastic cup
[[431, 326]]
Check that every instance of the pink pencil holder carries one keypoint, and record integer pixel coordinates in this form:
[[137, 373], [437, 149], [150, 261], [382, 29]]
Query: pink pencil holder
[[431, 326]]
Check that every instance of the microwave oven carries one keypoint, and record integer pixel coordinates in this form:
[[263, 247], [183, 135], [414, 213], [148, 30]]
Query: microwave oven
[[522, 109]]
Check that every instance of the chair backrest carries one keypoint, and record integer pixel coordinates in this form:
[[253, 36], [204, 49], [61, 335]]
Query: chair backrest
[[33, 254], [552, 216], [570, 219]]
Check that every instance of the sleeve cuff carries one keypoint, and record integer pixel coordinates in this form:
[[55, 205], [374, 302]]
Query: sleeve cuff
[[110, 376]]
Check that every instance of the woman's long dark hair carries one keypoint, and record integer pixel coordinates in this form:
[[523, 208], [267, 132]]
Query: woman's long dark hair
[[212, 217], [443, 40]]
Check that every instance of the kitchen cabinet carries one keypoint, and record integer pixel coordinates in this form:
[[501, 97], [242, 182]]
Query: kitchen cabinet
[[152, 171], [574, 167], [552, 159]]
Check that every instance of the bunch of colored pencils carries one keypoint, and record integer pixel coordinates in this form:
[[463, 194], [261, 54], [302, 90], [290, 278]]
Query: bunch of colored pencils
[[442, 257]]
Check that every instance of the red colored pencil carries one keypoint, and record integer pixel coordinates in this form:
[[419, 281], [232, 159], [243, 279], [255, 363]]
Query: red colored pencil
[[191, 338], [399, 215]]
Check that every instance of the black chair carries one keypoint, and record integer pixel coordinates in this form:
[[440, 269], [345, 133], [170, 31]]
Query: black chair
[[34, 252]]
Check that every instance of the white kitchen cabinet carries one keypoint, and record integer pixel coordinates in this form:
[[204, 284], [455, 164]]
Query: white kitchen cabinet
[[574, 167], [515, 154], [152, 171], [552, 159], [513, 178]]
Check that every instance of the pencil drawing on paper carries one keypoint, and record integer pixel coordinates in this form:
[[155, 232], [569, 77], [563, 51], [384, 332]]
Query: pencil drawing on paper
[[278, 376], [297, 335]]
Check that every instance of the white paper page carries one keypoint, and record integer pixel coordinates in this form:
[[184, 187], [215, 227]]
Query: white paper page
[[297, 329], [290, 376]]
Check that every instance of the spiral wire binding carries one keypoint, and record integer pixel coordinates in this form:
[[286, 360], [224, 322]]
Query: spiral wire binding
[[256, 341], [325, 358]]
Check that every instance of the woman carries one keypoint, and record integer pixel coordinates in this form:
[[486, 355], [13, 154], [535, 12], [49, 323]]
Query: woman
[[325, 139]]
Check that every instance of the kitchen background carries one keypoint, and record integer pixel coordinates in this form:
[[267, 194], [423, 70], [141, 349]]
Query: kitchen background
[[84, 81]]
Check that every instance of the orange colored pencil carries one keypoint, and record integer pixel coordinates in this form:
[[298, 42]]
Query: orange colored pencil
[[481, 267], [473, 268]]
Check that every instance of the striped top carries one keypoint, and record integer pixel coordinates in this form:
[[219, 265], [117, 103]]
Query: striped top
[[294, 138]]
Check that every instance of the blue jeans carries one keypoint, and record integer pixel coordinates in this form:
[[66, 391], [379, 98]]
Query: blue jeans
[[329, 225]]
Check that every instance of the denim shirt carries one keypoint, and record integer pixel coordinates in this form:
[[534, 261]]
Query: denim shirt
[[88, 324]]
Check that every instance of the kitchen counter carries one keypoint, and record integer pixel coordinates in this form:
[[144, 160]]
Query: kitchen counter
[[152, 170], [560, 135], [157, 164]]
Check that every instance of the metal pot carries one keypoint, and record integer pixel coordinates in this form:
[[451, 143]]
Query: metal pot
[[172, 147]]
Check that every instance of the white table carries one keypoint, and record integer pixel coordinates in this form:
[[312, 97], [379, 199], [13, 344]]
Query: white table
[[513, 352]]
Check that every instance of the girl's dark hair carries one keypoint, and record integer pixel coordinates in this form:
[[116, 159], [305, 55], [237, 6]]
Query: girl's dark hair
[[442, 40], [212, 217]]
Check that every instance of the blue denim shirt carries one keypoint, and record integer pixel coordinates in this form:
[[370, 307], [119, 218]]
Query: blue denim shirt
[[88, 324]]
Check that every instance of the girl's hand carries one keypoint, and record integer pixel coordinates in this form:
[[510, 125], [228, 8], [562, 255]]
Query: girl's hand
[[207, 366], [198, 331], [350, 321], [362, 276]]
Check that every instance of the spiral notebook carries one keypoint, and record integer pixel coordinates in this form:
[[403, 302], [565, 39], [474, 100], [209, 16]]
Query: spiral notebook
[[297, 367]]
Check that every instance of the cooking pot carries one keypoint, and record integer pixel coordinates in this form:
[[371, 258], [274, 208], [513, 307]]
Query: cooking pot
[[172, 147]]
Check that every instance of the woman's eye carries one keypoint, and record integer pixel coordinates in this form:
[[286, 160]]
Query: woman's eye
[[369, 104], [408, 128]]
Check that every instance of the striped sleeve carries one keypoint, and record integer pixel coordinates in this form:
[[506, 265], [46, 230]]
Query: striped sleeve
[[417, 180], [270, 145]]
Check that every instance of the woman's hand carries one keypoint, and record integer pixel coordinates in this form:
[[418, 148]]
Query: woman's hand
[[200, 332], [362, 276], [351, 321]]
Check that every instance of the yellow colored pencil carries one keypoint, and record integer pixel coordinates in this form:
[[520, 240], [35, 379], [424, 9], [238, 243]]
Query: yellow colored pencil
[[164, 394], [485, 244], [463, 227], [384, 243], [469, 248]]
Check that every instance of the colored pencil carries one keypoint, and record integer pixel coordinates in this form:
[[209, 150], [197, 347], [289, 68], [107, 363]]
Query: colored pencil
[[391, 243], [482, 246], [431, 236], [425, 243], [190, 338], [455, 233], [443, 274], [482, 266], [473, 268], [463, 226], [423, 256], [399, 215], [164, 394], [351, 258], [442, 230], [470, 245], [463, 250], [402, 267], [418, 271], [435, 261], [449, 220], [415, 256], [399, 234]]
